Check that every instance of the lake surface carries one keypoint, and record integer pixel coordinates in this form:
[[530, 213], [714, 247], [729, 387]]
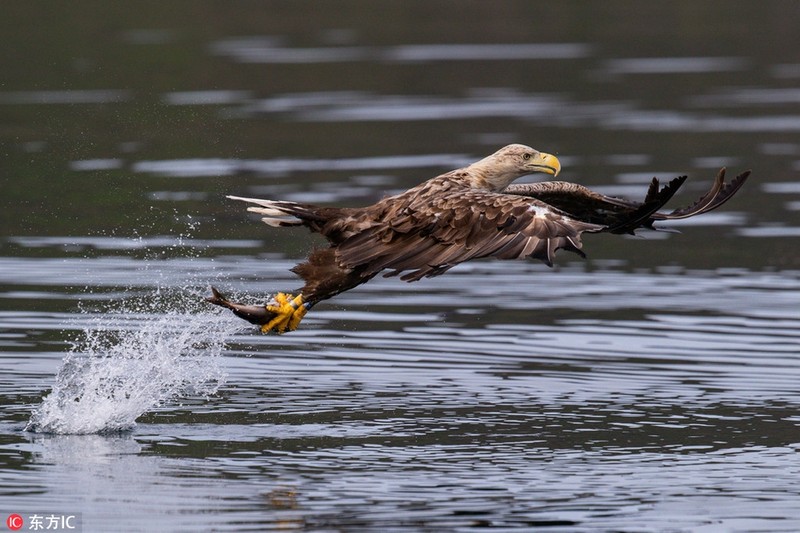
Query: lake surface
[[653, 386]]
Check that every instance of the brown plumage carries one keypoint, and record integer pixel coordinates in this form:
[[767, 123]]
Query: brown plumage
[[458, 216]]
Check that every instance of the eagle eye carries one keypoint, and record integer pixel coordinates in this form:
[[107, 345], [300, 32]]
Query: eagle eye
[[526, 156]]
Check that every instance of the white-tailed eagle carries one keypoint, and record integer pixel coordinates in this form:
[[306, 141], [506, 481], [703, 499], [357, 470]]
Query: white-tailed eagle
[[464, 214]]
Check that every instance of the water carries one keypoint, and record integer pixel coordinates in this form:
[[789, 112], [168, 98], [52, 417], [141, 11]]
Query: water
[[129, 362], [651, 387]]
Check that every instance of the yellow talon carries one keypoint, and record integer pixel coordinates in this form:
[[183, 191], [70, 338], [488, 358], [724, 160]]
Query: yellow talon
[[298, 315], [289, 311]]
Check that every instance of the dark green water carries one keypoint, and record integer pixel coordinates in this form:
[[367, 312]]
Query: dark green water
[[652, 387]]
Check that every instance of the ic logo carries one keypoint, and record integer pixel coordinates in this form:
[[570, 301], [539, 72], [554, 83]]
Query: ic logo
[[14, 522]]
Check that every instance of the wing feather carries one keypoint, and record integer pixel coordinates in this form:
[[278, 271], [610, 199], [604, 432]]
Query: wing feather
[[621, 215], [719, 193], [442, 228]]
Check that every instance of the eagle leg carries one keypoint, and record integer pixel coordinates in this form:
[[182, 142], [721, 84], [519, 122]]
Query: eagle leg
[[289, 311]]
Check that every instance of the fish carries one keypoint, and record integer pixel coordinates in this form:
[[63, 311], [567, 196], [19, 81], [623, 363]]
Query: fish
[[255, 314]]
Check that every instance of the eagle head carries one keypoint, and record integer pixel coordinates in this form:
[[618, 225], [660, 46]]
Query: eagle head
[[512, 162]]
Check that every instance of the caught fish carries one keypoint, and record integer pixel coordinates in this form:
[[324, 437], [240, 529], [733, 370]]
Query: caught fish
[[255, 314]]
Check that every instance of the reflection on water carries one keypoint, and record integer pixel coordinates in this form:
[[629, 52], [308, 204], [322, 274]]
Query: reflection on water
[[650, 388]]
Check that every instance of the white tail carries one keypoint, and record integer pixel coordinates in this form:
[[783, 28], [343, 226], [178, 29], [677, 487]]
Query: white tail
[[276, 213]]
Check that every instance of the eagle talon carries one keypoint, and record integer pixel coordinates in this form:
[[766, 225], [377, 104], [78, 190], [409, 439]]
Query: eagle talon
[[289, 312]]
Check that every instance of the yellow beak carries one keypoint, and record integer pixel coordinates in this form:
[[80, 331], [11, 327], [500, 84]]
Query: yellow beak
[[547, 163]]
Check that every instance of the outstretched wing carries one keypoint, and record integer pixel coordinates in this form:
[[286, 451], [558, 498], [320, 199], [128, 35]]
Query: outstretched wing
[[442, 228], [619, 214], [719, 193]]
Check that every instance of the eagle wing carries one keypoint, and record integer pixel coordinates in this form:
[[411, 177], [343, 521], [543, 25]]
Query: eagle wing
[[433, 230], [619, 214], [720, 192]]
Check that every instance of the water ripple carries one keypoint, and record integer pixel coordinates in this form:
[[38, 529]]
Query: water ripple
[[272, 50], [676, 65], [66, 97], [191, 168]]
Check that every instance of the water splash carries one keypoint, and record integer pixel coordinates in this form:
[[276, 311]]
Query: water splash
[[135, 356]]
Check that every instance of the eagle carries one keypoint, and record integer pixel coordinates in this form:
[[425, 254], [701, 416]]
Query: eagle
[[464, 214]]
